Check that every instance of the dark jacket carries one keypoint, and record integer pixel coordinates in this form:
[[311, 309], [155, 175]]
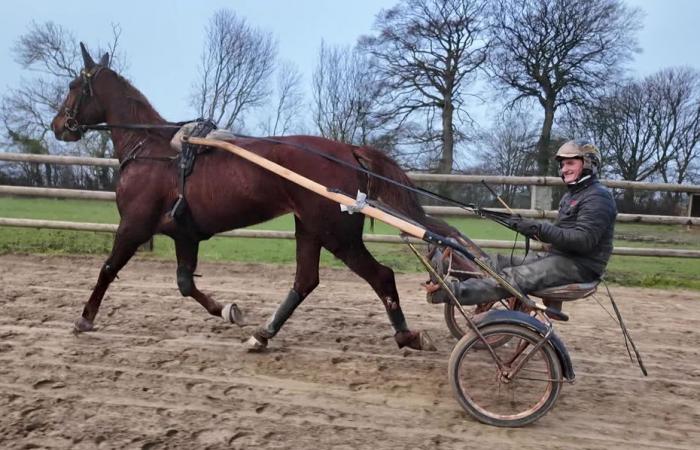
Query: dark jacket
[[585, 225]]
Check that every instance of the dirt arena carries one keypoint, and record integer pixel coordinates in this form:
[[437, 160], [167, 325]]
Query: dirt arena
[[160, 373]]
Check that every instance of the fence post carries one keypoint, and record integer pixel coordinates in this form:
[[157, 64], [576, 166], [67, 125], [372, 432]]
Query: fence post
[[541, 197], [693, 207], [147, 246]]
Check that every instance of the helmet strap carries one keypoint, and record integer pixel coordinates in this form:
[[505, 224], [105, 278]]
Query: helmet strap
[[585, 175]]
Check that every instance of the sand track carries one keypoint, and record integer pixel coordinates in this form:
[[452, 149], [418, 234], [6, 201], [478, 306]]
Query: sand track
[[160, 373]]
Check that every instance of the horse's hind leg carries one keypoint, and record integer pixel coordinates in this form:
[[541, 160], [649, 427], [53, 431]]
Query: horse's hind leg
[[124, 247], [186, 251], [307, 255], [356, 256]]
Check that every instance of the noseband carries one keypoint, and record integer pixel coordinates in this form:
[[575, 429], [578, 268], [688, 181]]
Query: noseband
[[86, 91]]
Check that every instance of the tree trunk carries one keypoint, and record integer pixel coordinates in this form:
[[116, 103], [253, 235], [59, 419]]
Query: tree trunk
[[628, 201], [49, 178], [543, 154], [447, 157]]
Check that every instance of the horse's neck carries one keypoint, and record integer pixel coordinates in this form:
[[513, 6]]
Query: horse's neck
[[127, 108]]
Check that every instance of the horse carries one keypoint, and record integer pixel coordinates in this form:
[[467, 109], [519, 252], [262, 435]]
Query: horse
[[225, 192]]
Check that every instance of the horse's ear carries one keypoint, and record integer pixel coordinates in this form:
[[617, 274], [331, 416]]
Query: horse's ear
[[87, 59], [104, 61]]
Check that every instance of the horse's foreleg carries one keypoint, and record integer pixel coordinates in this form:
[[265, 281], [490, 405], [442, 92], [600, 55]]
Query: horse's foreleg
[[381, 278], [308, 254], [123, 249], [187, 251]]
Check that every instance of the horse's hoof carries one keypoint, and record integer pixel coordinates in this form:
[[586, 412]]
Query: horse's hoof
[[426, 342], [233, 314], [256, 344], [82, 325], [415, 340]]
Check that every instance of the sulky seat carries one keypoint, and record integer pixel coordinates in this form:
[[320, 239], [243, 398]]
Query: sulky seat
[[567, 292]]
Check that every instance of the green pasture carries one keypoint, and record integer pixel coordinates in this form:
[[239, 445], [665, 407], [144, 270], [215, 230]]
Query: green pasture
[[625, 270]]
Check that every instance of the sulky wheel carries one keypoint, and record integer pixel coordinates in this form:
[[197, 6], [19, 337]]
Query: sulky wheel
[[504, 398]]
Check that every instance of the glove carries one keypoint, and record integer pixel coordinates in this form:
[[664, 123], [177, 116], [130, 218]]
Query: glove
[[527, 227], [512, 221]]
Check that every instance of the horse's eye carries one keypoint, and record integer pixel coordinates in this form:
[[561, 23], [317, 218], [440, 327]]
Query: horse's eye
[[74, 84]]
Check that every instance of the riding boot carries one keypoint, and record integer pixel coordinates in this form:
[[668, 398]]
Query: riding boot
[[280, 316]]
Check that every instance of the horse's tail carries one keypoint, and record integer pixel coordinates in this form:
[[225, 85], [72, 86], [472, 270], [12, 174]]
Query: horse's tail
[[403, 200]]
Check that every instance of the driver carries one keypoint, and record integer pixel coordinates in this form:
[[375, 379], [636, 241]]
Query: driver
[[579, 241]]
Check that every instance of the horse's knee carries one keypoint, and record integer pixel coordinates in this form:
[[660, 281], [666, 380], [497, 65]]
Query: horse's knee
[[108, 269], [108, 273], [185, 281]]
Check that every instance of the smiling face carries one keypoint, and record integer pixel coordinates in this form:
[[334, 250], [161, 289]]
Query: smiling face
[[571, 169]]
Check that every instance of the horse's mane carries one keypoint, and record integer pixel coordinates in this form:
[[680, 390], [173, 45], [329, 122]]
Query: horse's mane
[[403, 200], [140, 109]]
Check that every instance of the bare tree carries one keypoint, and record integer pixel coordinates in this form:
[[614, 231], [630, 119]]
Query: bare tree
[[621, 123], [289, 102], [427, 51], [345, 93], [686, 158], [508, 148], [236, 65], [559, 51], [647, 128], [51, 53], [676, 91]]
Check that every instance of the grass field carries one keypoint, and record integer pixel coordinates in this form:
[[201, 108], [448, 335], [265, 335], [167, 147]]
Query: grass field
[[626, 270]]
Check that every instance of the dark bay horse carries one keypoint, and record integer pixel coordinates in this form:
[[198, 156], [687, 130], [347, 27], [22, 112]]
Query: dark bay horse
[[225, 192]]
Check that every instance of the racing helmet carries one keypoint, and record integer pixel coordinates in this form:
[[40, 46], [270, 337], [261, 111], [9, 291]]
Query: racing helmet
[[585, 151]]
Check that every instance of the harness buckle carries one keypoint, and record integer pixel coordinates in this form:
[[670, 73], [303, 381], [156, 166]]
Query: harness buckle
[[71, 124], [360, 202]]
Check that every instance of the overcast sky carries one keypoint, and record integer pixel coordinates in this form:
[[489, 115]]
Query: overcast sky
[[163, 39]]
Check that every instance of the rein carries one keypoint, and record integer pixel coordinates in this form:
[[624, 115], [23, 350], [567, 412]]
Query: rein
[[135, 126], [133, 154], [178, 125]]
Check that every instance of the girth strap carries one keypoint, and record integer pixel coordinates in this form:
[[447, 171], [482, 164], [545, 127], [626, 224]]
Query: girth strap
[[186, 165]]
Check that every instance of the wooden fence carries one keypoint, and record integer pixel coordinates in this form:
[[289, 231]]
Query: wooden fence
[[435, 210]]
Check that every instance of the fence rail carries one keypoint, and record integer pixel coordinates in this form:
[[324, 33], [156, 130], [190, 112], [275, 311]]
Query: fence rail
[[58, 159], [415, 176], [382, 238], [552, 181], [435, 210]]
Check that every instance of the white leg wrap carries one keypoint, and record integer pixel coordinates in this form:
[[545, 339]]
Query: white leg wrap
[[226, 313], [231, 314]]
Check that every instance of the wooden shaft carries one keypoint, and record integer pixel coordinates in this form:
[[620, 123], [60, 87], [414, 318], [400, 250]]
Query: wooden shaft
[[403, 225], [505, 205]]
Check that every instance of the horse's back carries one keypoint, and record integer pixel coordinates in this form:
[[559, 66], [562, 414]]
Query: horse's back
[[228, 192]]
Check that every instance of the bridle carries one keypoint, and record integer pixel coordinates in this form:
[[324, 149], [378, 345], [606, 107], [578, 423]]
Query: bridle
[[87, 76], [86, 92]]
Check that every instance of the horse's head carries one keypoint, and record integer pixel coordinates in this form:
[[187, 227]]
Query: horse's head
[[81, 106]]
